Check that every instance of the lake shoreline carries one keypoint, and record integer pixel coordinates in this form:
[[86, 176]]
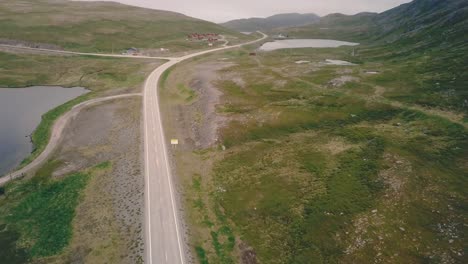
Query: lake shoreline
[[25, 110]]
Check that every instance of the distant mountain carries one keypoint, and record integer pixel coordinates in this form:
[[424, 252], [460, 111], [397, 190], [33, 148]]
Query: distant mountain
[[420, 23], [425, 37], [269, 23]]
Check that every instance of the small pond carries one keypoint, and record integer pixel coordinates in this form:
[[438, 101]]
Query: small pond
[[338, 62], [304, 43], [20, 113]]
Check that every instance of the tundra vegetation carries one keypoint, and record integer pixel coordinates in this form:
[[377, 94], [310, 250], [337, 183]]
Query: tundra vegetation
[[325, 163], [37, 213]]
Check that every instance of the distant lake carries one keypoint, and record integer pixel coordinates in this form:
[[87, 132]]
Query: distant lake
[[304, 43], [20, 113]]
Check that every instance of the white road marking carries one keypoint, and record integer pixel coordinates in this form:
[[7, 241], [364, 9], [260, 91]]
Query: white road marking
[[151, 83], [147, 180]]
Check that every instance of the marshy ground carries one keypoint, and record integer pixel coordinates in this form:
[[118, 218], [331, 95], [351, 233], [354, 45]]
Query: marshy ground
[[98, 161], [318, 162], [106, 214]]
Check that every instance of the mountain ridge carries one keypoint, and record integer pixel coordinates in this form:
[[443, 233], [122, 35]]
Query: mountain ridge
[[271, 22]]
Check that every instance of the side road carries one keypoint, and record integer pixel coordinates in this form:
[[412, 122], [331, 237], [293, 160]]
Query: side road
[[57, 130], [63, 120], [164, 241], [83, 53]]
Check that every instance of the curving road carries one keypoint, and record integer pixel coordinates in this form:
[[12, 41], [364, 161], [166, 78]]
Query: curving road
[[164, 239]]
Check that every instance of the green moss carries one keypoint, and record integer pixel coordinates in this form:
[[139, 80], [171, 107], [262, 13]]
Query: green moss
[[9, 252], [201, 254], [164, 76], [37, 213], [41, 135], [44, 218], [188, 93]]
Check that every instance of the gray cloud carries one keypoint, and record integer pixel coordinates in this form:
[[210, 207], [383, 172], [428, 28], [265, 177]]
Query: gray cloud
[[224, 10]]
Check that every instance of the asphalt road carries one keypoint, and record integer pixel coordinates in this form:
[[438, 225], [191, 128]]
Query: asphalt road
[[164, 240]]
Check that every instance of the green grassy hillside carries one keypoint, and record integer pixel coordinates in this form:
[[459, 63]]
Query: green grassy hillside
[[424, 42], [268, 23], [337, 26], [423, 22], [99, 26]]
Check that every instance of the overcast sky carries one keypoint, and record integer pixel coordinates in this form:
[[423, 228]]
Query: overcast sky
[[224, 10]]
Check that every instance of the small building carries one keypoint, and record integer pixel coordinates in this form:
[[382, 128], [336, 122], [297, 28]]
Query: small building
[[132, 51], [281, 36], [252, 54]]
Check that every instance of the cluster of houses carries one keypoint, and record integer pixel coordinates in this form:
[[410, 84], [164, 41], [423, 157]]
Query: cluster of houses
[[211, 37]]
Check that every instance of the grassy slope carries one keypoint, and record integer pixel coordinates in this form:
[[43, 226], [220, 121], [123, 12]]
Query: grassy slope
[[337, 26], [423, 38], [99, 26], [103, 75]]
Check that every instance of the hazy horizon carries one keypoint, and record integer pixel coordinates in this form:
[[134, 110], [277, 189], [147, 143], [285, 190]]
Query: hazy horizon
[[223, 11]]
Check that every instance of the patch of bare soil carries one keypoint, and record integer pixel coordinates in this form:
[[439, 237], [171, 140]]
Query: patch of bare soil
[[109, 221], [248, 255], [379, 91], [201, 115], [31, 51], [336, 146], [21, 43], [342, 80], [394, 177]]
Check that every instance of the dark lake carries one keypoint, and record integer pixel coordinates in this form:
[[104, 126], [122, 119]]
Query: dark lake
[[20, 113]]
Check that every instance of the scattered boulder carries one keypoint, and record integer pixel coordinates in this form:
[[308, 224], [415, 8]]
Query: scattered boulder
[[340, 81], [248, 255]]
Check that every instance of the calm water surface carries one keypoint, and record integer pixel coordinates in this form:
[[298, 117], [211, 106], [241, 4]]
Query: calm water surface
[[304, 43], [20, 113]]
